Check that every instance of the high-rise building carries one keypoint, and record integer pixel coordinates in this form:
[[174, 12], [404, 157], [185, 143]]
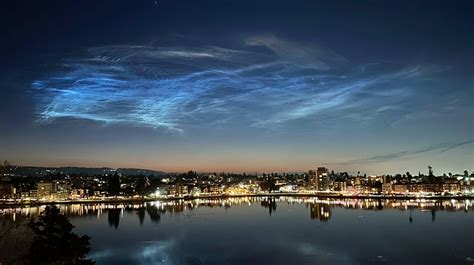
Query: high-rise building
[[312, 179], [319, 179], [322, 183]]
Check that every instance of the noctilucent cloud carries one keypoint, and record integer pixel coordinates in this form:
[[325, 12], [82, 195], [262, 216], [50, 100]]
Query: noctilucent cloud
[[289, 94]]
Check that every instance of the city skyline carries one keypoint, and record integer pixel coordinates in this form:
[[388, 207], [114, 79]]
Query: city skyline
[[381, 88]]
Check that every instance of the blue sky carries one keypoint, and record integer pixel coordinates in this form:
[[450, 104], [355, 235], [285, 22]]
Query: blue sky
[[241, 86]]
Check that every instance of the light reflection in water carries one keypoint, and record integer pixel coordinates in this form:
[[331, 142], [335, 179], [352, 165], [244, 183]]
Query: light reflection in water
[[272, 230], [319, 208]]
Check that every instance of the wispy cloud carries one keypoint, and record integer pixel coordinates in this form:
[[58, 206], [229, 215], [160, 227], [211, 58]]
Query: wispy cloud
[[441, 147], [176, 86], [457, 145], [311, 56]]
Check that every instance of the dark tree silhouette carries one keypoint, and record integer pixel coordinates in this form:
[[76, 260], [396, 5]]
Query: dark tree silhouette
[[5, 167], [268, 184], [54, 241], [141, 185], [113, 187]]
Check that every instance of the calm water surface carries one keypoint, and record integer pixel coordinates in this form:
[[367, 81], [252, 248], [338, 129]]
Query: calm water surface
[[278, 231]]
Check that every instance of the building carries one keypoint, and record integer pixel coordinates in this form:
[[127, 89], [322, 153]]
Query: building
[[319, 179], [400, 188], [288, 188], [467, 185], [177, 190], [387, 188], [46, 190], [33, 194], [425, 187], [78, 194], [451, 185], [312, 176], [340, 185], [322, 180], [63, 190]]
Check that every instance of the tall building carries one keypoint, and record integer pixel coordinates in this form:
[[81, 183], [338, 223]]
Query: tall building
[[322, 179], [312, 179], [319, 179]]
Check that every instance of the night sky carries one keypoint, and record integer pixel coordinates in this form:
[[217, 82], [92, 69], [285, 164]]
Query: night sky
[[371, 86]]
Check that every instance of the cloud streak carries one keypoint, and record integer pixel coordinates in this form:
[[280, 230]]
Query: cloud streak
[[268, 82], [442, 147]]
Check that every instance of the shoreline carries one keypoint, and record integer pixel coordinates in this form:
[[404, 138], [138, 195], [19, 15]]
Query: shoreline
[[225, 196]]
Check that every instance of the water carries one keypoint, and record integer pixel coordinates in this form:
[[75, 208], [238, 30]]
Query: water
[[276, 231]]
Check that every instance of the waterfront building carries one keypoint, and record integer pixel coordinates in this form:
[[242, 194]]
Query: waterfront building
[[323, 179], [387, 188], [312, 176], [63, 189], [400, 188], [24, 195], [340, 185], [424, 187], [451, 185], [288, 188], [350, 188], [46, 190], [33, 194], [77, 194], [319, 179]]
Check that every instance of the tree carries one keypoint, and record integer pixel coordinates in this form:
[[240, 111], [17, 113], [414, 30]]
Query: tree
[[15, 240], [269, 184], [113, 187], [141, 185], [191, 174], [5, 167], [54, 241]]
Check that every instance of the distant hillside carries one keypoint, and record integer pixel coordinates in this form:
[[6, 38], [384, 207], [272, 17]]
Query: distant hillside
[[139, 171], [90, 171]]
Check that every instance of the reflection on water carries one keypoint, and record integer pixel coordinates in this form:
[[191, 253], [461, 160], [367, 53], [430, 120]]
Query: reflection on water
[[320, 209], [114, 217], [274, 230]]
